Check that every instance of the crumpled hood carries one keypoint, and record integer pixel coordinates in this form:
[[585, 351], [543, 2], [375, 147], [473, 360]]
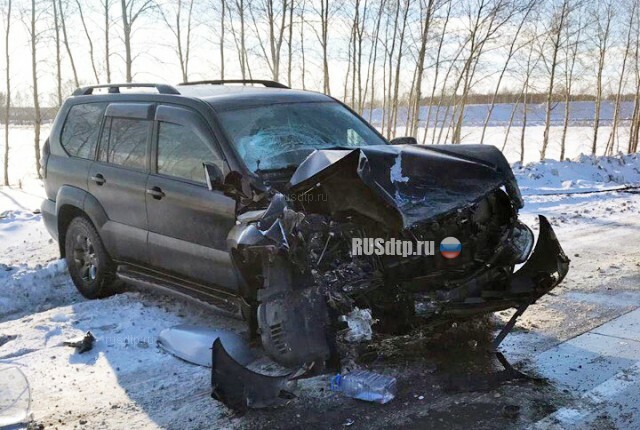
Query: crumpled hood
[[405, 184]]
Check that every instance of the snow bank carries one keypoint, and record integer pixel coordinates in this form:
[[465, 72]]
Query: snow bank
[[26, 289], [583, 174]]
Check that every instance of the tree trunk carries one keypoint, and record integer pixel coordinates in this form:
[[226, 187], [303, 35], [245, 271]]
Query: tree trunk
[[34, 73], [86, 32], [557, 33], [510, 54], [435, 78], [7, 107], [426, 25], [396, 87], [107, 52], [65, 40], [390, 52], [302, 53], [603, 41], [126, 29], [290, 44], [324, 22], [375, 57], [222, 12], [56, 29], [616, 113]]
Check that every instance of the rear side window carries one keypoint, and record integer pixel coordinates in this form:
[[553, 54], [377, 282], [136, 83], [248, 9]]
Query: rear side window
[[81, 128], [124, 142], [181, 152]]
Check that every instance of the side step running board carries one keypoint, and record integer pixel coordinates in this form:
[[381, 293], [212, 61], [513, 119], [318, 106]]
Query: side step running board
[[223, 302]]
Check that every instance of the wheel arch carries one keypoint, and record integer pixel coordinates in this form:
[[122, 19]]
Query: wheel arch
[[72, 202]]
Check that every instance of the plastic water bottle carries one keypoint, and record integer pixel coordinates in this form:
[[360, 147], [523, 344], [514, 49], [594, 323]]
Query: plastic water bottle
[[364, 385]]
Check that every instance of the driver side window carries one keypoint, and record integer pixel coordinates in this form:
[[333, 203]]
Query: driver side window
[[181, 152]]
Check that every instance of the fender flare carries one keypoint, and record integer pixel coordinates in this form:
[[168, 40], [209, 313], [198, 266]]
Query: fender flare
[[83, 201]]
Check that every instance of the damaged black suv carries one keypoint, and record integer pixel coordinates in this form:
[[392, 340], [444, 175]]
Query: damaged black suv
[[250, 197]]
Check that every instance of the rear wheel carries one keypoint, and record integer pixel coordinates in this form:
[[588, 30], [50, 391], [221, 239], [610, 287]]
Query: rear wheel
[[90, 267]]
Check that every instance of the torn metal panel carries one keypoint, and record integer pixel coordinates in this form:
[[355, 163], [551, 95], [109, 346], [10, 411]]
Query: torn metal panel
[[428, 182], [240, 388]]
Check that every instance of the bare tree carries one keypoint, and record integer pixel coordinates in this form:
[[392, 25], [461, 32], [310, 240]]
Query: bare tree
[[56, 29], [634, 128], [34, 36], [603, 32], [240, 39], [276, 17], [627, 47], [437, 70], [513, 49], [427, 10], [89, 40], [106, 5], [571, 54], [359, 26], [487, 18], [65, 40], [530, 67], [7, 107], [558, 20], [131, 11], [396, 87], [373, 56], [223, 6], [290, 44], [182, 40], [389, 50], [323, 38], [303, 65]]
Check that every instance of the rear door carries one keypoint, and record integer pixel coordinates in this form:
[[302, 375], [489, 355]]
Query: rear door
[[118, 178], [188, 223]]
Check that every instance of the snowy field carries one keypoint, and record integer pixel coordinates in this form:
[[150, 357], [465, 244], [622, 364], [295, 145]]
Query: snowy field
[[127, 382]]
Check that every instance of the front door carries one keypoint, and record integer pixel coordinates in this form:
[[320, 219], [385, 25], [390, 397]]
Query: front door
[[188, 223]]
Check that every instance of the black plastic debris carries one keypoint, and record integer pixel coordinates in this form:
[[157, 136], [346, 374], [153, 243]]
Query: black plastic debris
[[83, 344], [240, 388]]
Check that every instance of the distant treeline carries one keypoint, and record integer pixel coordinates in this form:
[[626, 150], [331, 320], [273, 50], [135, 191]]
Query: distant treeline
[[24, 115], [516, 97]]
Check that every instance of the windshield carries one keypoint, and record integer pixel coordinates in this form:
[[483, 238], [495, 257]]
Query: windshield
[[281, 136]]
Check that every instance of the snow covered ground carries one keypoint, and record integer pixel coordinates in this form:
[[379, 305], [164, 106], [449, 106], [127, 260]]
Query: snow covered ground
[[126, 381]]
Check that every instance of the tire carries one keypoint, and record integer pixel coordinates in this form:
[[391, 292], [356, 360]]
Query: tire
[[90, 267]]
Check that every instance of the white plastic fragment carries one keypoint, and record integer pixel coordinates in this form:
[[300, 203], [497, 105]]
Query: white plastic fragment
[[359, 322]]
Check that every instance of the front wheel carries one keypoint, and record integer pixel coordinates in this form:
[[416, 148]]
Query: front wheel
[[90, 267]]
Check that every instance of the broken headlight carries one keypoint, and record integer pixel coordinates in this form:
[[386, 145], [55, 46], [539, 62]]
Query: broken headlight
[[522, 242]]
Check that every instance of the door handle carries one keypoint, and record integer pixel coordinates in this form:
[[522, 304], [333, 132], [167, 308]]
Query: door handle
[[155, 192], [98, 179]]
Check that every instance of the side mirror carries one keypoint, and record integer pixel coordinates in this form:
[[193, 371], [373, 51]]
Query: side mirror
[[214, 176], [407, 140]]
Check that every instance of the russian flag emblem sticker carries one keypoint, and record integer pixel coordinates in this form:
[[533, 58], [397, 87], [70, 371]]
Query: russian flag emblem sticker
[[450, 247]]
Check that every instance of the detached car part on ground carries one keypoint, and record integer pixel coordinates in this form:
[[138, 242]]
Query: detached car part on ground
[[295, 254]]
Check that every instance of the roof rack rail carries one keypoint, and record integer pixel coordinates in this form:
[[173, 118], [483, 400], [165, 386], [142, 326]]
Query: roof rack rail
[[266, 83], [115, 88]]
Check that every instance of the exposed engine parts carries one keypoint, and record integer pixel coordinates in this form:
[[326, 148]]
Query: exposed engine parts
[[302, 276]]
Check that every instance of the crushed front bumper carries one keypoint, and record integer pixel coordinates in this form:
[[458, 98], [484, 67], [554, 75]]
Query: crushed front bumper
[[545, 269]]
